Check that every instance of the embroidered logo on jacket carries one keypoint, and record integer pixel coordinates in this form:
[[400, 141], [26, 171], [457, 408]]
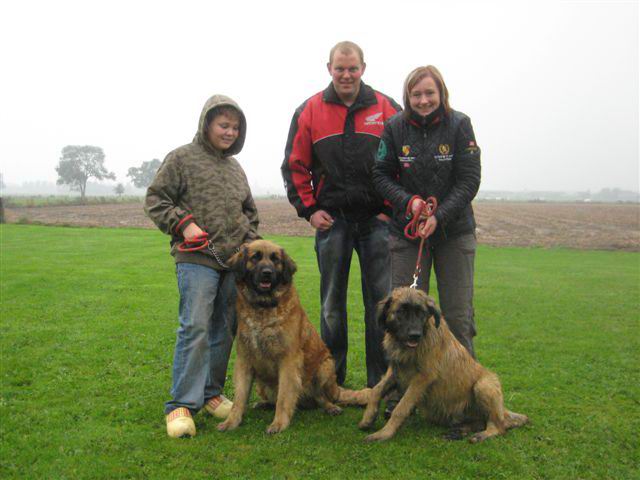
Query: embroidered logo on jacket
[[382, 150], [406, 159], [374, 119], [445, 155], [472, 148]]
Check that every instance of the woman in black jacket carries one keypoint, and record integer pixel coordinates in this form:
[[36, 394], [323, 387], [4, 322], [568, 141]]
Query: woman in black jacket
[[429, 150]]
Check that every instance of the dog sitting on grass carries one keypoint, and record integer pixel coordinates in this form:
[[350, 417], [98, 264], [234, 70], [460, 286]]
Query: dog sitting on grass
[[435, 373], [277, 346]]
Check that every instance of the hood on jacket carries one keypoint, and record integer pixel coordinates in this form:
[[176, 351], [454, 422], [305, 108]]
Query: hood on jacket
[[217, 101]]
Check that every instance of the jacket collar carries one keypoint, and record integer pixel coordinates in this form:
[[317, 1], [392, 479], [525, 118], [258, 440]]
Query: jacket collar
[[428, 121], [366, 96]]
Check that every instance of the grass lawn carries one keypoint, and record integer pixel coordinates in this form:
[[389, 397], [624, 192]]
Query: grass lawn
[[88, 328]]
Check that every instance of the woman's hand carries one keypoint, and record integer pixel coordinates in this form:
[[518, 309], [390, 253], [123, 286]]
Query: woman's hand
[[428, 227], [418, 207]]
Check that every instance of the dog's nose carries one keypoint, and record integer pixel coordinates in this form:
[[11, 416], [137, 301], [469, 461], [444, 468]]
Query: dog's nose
[[266, 274], [414, 337]]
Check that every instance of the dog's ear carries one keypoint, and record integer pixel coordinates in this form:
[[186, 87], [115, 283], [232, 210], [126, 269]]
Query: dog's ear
[[433, 311], [382, 311], [289, 267], [238, 262]]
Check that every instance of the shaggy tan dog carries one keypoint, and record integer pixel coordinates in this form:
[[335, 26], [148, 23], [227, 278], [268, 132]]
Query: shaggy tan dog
[[277, 345], [435, 373]]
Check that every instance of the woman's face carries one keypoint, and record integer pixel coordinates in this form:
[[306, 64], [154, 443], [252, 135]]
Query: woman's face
[[424, 97]]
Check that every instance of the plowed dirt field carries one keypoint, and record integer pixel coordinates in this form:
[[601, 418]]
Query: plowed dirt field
[[582, 226]]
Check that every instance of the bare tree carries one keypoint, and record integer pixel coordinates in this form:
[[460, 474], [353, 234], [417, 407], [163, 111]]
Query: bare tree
[[143, 176], [79, 163], [119, 189]]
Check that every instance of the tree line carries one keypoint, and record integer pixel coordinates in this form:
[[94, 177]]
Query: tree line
[[79, 163]]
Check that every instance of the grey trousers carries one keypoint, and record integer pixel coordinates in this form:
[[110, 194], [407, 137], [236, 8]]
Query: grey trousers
[[453, 263]]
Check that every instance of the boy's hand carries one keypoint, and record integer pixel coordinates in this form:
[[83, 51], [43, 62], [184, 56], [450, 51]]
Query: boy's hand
[[192, 231]]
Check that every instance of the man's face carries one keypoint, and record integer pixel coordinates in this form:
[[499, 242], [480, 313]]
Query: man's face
[[223, 131], [346, 70]]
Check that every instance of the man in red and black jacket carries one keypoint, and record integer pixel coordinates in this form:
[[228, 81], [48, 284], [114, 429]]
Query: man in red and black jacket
[[329, 158]]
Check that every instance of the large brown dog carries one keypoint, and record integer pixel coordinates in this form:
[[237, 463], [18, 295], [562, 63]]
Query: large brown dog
[[277, 345], [436, 373]]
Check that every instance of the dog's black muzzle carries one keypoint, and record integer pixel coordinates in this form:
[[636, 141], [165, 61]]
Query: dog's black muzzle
[[415, 337], [265, 278], [267, 274]]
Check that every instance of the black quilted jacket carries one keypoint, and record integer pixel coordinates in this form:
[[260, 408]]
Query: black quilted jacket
[[436, 156]]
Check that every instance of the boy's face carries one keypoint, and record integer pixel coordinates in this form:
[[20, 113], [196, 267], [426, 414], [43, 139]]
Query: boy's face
[[224, 130]]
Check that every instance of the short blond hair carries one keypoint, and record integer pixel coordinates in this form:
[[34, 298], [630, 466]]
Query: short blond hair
[[346, 47]]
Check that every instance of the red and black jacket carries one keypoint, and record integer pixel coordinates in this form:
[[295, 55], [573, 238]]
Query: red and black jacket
[[330, 154]]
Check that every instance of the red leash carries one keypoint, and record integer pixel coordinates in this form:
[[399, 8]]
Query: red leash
[[412, 230], [202, 242], [199, 242]]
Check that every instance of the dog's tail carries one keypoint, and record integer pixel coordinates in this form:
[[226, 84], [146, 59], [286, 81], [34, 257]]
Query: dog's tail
[[353, 397]]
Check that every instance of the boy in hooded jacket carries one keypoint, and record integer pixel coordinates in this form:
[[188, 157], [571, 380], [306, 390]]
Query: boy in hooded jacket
[[201, 198]]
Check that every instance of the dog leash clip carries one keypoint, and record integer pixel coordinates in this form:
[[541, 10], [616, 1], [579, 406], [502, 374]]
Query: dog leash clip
[[415, 280]]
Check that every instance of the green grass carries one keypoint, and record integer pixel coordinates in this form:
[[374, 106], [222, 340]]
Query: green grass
[[88, 328]]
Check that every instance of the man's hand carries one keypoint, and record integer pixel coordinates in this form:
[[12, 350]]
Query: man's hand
[[192, 231], [321, 220]]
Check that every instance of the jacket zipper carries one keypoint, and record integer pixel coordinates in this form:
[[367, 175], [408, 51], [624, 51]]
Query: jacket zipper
[[424, 137]]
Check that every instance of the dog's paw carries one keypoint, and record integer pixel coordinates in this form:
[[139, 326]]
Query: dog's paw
[[365, 425], [333, 410], [227, 425], [379, 436], [478, 437], [276, 427], [453, 434]]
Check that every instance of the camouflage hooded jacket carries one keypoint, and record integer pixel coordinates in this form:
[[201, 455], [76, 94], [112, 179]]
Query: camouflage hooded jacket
[[198, 183]]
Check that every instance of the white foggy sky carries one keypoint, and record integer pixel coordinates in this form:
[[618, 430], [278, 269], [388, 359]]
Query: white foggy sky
[[551, 87]]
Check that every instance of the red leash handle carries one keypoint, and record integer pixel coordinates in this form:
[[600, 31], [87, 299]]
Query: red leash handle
[[412, 230], [428, 208], [199, 242]]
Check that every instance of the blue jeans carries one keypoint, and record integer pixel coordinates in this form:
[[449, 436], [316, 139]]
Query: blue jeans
[[203, 345], [334, 248]]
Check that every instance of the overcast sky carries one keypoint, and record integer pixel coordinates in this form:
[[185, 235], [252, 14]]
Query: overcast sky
[[551, 87]]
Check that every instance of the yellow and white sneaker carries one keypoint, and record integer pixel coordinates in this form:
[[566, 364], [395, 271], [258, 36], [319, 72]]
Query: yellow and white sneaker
[[180, 423], [218, 406]]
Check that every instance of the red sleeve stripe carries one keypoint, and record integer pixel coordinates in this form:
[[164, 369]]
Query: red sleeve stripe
[[300, 160], [369, 133], [328, 136]]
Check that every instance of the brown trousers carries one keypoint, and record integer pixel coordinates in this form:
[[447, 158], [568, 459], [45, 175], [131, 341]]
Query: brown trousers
[[453, 263]]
